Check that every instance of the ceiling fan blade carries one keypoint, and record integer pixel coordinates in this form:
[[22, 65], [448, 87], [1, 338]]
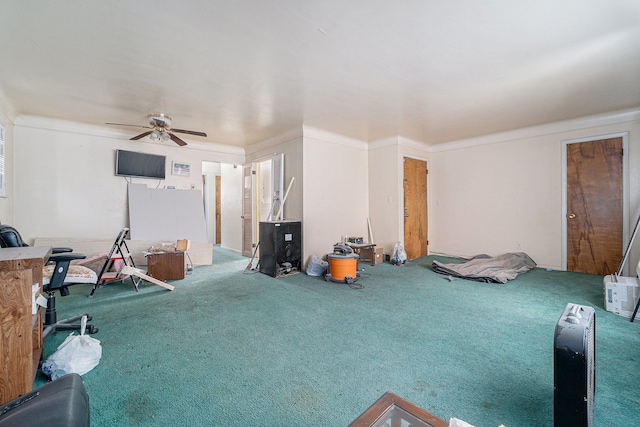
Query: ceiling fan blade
[[177, 140], [135, 126], [142, 135], [190, 132]]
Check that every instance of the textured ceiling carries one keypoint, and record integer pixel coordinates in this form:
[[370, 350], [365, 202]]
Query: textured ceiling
[[244, 71]]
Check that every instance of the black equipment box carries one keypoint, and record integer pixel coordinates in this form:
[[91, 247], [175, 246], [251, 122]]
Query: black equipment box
[[280, 247], [574, 366], [60, 403]]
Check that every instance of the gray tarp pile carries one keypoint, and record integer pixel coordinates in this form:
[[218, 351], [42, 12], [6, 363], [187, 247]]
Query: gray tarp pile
[[483, 268]]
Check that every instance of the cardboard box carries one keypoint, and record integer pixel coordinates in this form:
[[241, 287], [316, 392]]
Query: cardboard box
[[378, 257], [373, 255], [621, 294]]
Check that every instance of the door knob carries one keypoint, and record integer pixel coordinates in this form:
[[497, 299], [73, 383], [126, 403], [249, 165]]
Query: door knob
[[571, 216]]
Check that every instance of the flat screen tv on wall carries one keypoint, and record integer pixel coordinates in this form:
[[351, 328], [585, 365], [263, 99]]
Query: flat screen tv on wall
[[140, 165]]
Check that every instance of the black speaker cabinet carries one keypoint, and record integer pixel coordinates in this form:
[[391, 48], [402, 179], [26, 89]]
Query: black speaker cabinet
[[280, 247], [574, 360]]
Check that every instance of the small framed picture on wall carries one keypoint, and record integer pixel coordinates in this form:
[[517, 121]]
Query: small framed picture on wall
[[180, 169]]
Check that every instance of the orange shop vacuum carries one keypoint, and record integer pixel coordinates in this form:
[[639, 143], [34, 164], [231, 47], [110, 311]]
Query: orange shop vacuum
[[343, 265]]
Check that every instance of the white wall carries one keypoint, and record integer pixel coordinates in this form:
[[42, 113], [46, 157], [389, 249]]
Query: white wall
[[336, 190], [65, 183], [497, 198], [503, 193], [290, 144], [385, 199], [7, 202]]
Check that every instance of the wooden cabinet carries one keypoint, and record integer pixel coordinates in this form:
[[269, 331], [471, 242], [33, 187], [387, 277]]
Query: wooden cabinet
[[20, 329], [166, 265]]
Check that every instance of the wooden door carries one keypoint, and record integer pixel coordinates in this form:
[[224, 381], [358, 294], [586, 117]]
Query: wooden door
[[594, 206], [415, 208], [218, 239]]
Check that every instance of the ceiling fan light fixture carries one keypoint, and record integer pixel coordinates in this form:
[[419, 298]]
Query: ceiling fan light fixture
[[159, 120], [161, 130]]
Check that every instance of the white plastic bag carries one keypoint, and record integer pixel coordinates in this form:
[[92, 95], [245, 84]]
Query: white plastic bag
[[316, 266], [77, 354], [399, 255]]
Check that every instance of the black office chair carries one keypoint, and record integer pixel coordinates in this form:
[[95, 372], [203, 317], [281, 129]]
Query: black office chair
[[57, 275]]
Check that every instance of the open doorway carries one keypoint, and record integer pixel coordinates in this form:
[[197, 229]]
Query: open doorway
[[211, 172], [262, 195]]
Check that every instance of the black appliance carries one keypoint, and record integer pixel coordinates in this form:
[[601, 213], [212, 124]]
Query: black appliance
[[280, 247], [62, 402], [574, 367]]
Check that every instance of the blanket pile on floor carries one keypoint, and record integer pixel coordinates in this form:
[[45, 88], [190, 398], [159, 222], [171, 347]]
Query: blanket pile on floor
[[483, 268]]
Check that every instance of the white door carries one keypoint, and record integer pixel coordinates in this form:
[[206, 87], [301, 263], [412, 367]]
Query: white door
[[247, 209]]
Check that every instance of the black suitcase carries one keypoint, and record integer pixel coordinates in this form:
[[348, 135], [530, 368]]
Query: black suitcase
[[63, 402]]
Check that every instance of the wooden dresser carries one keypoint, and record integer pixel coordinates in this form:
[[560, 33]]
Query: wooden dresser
[[20, 329]]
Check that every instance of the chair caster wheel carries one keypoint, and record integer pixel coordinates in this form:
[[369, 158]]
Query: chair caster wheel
[[327, 277], [92, 329]]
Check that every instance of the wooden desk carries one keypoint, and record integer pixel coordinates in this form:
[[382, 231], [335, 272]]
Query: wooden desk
[[367, 252], [21, 342]]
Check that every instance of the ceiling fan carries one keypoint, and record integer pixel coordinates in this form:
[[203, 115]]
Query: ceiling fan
[[161, 130]]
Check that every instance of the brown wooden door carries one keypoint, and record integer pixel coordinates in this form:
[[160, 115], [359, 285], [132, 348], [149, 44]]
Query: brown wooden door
[[594, 206], [415, 208]]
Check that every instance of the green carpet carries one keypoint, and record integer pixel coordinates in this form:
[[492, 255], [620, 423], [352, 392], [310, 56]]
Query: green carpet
[[228, 348]]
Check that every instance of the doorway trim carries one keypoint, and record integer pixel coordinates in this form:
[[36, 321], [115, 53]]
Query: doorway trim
[[625, 189], [206, 188]]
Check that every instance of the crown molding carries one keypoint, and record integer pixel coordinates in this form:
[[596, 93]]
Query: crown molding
[[58, 125], [400, 142], [6, 109], [545, 129], [391, 141], [334, 138], [412, 143], [274, 141]]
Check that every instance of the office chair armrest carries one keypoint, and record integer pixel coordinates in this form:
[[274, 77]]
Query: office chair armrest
[[59, 273], [66, 257], [60, 250]]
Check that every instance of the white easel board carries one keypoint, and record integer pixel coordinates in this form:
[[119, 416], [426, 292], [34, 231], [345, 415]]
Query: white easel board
[[166, 214]]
